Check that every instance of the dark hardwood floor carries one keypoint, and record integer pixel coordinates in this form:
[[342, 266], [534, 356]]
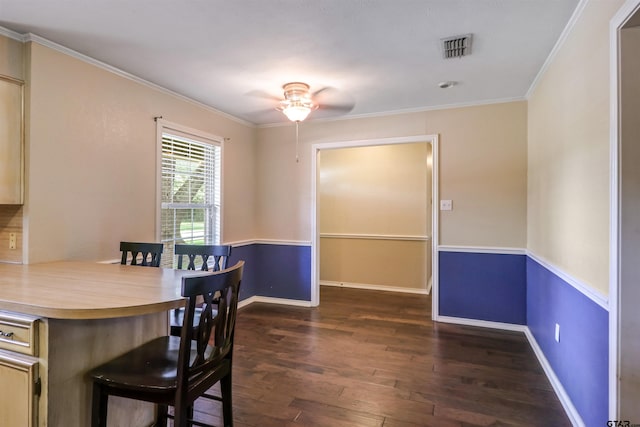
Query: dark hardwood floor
[[368, 358]]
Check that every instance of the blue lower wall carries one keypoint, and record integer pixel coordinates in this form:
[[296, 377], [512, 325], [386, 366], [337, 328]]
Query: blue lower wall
[[483, 286], [250, 284], [581, 359], [278, 271]]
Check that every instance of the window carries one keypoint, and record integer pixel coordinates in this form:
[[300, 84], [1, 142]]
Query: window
[[190, 191]]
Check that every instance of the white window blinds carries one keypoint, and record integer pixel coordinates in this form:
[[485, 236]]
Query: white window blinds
[[190, 206]]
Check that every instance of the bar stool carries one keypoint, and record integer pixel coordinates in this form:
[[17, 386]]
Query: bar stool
[[172, 371]]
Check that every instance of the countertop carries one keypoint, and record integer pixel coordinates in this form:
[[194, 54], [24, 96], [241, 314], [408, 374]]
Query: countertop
[[89, 290]]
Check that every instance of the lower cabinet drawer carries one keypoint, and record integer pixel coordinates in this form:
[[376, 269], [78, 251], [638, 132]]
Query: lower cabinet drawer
[[19, 391], [19, 333]]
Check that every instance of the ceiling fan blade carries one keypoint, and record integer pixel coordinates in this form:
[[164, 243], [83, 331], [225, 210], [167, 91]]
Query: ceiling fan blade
[[328, 95], [333, 100], [318, 93], [339, 108], [262, 94]]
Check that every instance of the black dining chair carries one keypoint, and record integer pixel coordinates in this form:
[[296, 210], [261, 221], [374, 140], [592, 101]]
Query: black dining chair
[[176, 371], [149, 253], [201, 257]]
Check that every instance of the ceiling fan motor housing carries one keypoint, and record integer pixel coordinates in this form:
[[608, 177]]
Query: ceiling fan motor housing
[[296, 91], [297, 101]]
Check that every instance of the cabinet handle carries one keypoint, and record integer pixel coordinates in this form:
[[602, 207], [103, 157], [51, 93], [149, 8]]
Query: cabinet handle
[[6, 334]]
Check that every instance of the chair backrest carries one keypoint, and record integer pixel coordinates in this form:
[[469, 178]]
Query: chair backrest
[[218, 253], [150, 253], [213, 343]]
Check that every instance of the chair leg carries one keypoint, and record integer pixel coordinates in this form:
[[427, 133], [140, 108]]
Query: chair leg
[[99, 403], [227, 407], [181, 416], [161, 415]]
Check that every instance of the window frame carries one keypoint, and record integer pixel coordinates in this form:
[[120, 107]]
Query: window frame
[[162, 127]]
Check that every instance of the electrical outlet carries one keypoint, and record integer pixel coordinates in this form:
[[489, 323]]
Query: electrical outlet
[[557, 332], [12, 240]]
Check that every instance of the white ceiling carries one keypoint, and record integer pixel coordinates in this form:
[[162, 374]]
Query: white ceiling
[[382, 55]]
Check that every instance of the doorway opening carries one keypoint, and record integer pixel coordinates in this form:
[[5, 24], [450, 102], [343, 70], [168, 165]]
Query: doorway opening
[[360, 238]]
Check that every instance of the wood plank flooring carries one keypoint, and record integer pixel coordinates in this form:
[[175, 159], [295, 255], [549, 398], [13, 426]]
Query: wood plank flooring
[[368, 358]]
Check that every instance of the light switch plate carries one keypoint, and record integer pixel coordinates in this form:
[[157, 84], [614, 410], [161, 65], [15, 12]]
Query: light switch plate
[[446, 205]]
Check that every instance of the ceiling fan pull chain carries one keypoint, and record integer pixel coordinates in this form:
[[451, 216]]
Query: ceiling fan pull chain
[[297, 160]]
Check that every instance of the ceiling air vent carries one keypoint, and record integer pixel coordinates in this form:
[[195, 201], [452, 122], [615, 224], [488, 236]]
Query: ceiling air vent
[[456, 47]]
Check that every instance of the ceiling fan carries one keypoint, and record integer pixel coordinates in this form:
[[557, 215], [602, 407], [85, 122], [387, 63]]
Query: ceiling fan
[[299, 102]]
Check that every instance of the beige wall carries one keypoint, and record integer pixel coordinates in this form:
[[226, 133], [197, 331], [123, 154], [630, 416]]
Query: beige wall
[[568, 184], [91, 159], [483, 163], [11, 65], [372, 262], [375, 190], [381, 191]]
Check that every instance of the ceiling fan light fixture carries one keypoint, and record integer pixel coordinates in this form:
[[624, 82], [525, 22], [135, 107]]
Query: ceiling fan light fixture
[[297, 103], [296, 113]]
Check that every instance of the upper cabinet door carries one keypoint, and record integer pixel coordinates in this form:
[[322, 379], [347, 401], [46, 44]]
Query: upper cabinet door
[[11, 141]]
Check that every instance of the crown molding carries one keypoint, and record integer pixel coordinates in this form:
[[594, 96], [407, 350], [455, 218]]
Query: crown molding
[[556, 48], [12, 34]]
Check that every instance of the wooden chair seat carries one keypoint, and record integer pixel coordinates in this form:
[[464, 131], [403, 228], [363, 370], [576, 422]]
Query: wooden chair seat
[[152, 369]]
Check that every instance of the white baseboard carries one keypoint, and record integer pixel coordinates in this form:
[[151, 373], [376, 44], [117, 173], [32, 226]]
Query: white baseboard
[[271, 300], [374, 287], [564, 398], [481, 323]]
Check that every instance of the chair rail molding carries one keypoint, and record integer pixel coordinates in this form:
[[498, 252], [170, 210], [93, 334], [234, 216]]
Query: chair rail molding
[[374, 236], [482, 250], [580, 286]]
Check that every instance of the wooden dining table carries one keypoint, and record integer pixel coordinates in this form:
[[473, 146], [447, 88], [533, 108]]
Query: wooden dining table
[[87, 313]]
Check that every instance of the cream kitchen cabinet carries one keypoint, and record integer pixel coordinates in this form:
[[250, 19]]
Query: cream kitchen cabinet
[[11, 141], [19, 377]]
